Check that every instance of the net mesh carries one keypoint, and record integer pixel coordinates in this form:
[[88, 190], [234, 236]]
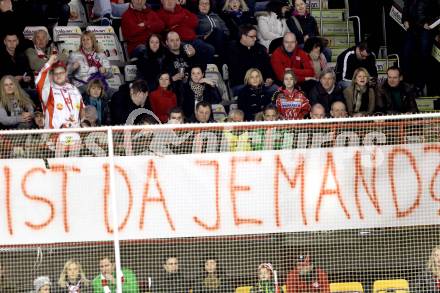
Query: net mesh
[[282, 207]]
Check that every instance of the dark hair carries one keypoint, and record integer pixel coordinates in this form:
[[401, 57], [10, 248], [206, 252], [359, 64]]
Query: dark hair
[[244, 29], [145, 119], [270, 107], [211, 6], [176, 110], [160, 42], [203, 104], [202, 68], [276, 7], [363, 46], [394, 67], [312, 43], [139, 85]]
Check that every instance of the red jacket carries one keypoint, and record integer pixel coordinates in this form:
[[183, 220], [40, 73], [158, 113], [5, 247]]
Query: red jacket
[[162, 101], [291, 105], [135, 34], [295, 285], [299, 61], [181, 21]]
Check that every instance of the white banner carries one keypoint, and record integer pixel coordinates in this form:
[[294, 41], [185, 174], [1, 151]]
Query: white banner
[[220, 194]]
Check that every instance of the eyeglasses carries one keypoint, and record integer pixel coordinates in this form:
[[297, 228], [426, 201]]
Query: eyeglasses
[[59, 73]]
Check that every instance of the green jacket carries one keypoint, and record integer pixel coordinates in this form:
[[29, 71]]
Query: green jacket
[[129, 285]]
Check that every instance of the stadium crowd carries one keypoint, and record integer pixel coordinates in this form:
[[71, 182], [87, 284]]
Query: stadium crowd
[[274, 54]]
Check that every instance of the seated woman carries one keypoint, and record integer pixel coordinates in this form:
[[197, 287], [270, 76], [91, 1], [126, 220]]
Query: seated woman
[[360, 97], [163, 99], [95, 96], [16, 108], [88, 63], [254, 97], [266, 280], [72, 278], [236, 13], [272, 23], [198, 89], [150, 63], [314, 46], [212, 29], [428, 279], [42, 285], [291, 103]]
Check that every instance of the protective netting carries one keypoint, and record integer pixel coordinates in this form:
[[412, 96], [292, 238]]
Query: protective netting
[[318, 202]]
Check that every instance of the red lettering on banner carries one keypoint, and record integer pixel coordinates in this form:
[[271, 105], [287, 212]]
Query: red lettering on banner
[[152, 174], [330, 167], [216, 226], [299, 172], [234, 189], [7, 173], [436, 198], [64, 169], [44, 200], [391, 156], [124, 175], [359, 179]]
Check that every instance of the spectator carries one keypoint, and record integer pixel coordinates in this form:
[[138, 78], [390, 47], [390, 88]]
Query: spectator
[[16, 108], [127, 99], [353, 58], [15, 63], [38, 120], [360, 97], [307, 277], [247, 54], [236, 13], [5, 283], [202, 113], [338, 110], [266, 280], [396, 96], [42, 285], [95, 96], [254, 97], [89, 117], [138, 23], [272, 23], [184, 23], [171, 280], [150, 63], [290, 57], [427, 279], [72, 278], [270, 113], [198, 89], [88, 63], [291, 103], [40, 52], [317, 111], [163, 99], [326, 91], [62, 102], [10, 21], [176, 116], [108, 9], [211, 280], [105, 282], [212, 29], [314, 46]]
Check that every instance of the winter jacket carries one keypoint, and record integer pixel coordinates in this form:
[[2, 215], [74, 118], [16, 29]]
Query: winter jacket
[[307, 26], [299, 61], [270, 27], [81, 75], [316, 281], [318, 95], [181, 20], [407, 99], [162, 101], [368, 103], [347, 63], [252, 101], [210, 95], [234, 19], [209, 22]]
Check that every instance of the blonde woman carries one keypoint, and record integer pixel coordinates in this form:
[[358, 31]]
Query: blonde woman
[[236, 13], [429, 278], [16, 108], [360, 97], [72, 278], [88, 62]]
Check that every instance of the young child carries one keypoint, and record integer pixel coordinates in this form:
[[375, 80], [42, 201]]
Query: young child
[[267, 280], [95, 96]]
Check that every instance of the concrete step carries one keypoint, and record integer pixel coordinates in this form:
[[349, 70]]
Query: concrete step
[[340, 41], [336, 28], [331, 14]]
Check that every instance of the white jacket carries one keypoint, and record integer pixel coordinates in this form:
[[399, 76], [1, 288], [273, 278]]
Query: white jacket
[[270, 27], [85, 71]]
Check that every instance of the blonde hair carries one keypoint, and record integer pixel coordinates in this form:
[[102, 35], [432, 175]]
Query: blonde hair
[[247, 77], [22, 97], [96, 83], [63, 282], [290, 72], [432, 263], [92, 36], [356, 72], [243, 5]]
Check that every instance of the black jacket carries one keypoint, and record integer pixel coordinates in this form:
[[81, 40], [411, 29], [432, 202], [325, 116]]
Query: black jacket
[[210, 95], [252, 101], [408, 96], [121, 105], [319, 95], [347, 63]]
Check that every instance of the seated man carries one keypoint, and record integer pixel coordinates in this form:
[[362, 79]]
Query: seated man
[[105, 282], [170, 280], [353, 58], [317, 112], [185, 23], [138, 23], [326, 91], [202, 113], [176, 116], [246, 54], [307, 277], [126, 100], [396, 96], [290, 57], [338, 110]]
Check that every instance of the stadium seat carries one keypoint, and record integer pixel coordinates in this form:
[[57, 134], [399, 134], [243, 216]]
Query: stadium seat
[[212, 73], [244, 289], [67, 38], [109, 43], [391, 286], [348, 287], [28, 31], [78, 15]]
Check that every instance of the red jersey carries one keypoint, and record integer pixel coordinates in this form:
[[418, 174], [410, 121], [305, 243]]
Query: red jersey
[[291, 105]]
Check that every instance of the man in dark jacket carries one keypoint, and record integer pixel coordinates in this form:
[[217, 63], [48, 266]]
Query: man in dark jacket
[[396, 96], [326, 91]]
